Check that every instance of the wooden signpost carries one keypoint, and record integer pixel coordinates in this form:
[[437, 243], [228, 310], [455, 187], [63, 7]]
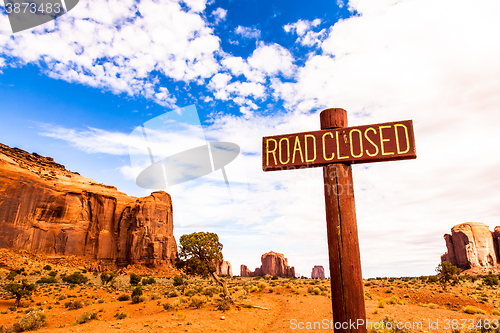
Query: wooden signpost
[[335, 148]]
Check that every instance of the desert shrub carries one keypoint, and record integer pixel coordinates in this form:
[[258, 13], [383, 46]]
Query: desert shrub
[[316, 291], [432, 279], [12, 308], [30, 322], [197, 302], [11, 275], [495, 312], [274, 277], [173, 294], [181, 315], [262, 286], [381, 303], [223, 305], [137, 292], [472, 310], [253, 289], [154, 296], [490, 280], [75, 278], [310, 290], [73, 305], [147, 281], [47, 267], [107, 278], [134, 279], [53, 273], [101, 300], [395, 300], [85, 317], [124, 297], [190, 292], [120, 315], [62, 297], [168, 306], [178, 281], [139, 299], [208, 292], [47, 280]]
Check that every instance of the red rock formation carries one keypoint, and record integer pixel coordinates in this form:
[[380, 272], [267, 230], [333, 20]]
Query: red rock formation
[[273, 264], [224, 268], [318, 272], [46, 208], [471, 245]]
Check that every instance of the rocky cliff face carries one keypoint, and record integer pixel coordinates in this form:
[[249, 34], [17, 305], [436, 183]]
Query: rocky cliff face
[[272, 264], [46, 208], [472, 245], [318, 272], [224, 268]]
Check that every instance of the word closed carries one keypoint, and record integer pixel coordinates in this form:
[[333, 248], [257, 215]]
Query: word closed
[[360, 144]]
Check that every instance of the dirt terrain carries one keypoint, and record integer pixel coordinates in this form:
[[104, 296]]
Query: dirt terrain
[[261, 304]]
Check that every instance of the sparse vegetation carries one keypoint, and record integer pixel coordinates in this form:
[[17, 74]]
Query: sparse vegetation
[[75, 278], [32, 321], [85, 317]]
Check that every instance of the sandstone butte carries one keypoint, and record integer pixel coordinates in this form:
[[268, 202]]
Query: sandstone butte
[[273, 264], [473, 246], [224, 268], [318, 272], [44, 208]]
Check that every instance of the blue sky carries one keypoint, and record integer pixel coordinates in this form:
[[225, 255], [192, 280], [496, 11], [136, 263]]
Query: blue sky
[[75, 88]]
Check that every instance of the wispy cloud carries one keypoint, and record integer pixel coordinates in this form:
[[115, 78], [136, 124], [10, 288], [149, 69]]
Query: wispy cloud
[[248, 32]]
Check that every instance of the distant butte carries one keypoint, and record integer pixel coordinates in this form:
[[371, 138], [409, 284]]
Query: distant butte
[[45, 208], [273, 264], [472, 246]]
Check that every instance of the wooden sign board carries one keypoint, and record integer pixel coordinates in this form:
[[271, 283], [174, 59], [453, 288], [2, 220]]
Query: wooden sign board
[[359, 144]]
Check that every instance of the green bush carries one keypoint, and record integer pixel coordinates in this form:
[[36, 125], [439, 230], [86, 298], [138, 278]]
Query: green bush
[[490, 280], [53, 273], [11, 275], [120, 315], [107, 278], [47, 267], [134, 279], [147, 281], [274, 277], [75, 278], [47, 280], [178, 281], [137, 292], [73, 305]]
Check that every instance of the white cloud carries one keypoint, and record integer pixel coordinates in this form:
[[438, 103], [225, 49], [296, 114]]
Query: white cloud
[[307, 37], [105, 44], [247, 32], [219, 14]]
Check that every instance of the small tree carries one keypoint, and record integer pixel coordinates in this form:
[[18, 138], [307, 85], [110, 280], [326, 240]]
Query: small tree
[[201, 252], [447, 272], [20, 290]]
